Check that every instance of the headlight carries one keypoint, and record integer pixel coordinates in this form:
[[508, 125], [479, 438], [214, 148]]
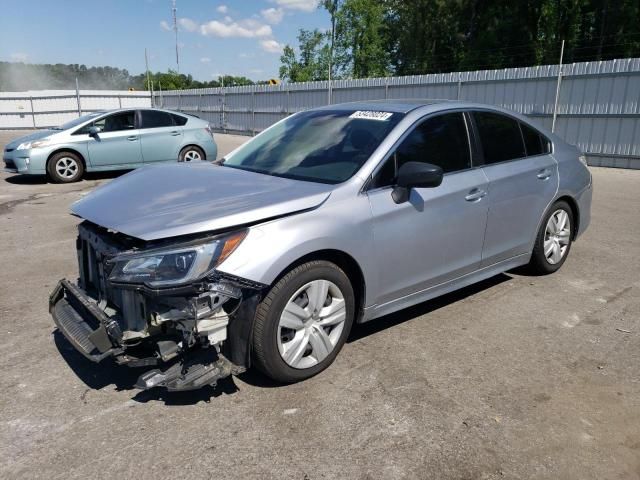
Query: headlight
[[583, 159], [35, 144], [176, 265]]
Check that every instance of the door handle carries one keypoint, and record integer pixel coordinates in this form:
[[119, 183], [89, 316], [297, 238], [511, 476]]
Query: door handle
[[175, 134], [132, 138], [475, 195], [544, 174]]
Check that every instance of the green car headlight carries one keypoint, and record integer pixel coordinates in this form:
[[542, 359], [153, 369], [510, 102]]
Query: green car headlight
[[176, 265]]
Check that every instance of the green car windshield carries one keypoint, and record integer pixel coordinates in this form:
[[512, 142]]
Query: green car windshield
[[326, 146]]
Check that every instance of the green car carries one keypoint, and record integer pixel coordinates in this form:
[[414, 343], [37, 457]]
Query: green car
[[111, 140]]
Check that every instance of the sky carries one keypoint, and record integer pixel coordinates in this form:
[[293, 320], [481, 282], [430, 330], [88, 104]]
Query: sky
[[232, 37]]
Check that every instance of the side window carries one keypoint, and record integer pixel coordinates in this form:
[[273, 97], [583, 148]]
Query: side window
[[500, 136], [111, 123], [156, 119], [179, 119], [440, 140], [535, 143], [116, 122]]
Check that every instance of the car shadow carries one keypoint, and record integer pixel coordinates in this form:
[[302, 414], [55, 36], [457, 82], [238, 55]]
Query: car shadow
[[362, 330], [43, 179], [97, 376]]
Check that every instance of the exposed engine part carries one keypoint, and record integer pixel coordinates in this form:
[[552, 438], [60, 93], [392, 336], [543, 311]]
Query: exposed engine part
[[204, 367]]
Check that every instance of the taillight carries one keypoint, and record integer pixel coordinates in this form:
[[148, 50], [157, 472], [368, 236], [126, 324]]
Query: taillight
[[583, 159], [209, 130]]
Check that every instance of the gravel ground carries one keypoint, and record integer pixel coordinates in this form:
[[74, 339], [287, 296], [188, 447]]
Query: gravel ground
[[517, 377]]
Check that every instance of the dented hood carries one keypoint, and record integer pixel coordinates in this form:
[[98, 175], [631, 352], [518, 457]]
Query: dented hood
[[178, 199]]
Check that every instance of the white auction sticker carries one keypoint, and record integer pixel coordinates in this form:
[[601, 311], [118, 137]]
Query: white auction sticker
[[370, 115]]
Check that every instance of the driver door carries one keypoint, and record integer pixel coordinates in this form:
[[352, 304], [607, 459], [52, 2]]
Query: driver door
[[437, 235], [118, 142]]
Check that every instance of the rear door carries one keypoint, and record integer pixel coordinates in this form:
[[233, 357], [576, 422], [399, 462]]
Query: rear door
[[160, 137], [117, 144], [437, 235], [523, 180]]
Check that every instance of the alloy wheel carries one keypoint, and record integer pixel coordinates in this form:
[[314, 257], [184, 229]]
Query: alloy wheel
[[192, 155], [557, 236], [67, 167], [311, 324]]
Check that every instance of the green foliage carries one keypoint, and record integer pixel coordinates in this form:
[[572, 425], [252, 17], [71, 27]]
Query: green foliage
[[407, 37], [312, 63]]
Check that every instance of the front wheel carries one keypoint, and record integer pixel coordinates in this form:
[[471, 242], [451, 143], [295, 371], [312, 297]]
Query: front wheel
[[303, 322], [553, 241], [191, 154], [65, 167]]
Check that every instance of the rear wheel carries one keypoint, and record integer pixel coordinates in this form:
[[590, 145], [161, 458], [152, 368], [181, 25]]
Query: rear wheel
[[303, 322], [553, 241], [191, 154], [65, 167]]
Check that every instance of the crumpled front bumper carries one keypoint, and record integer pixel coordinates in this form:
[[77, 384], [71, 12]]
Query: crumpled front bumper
[[97, 336], [85, 326]]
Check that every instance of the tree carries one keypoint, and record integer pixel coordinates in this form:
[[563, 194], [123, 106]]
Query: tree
[[361, 39], [312, 61]]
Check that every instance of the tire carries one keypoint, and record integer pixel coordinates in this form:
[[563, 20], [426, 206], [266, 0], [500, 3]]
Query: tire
[[65, 167], [191, 153], [290, 355], [543, 263]]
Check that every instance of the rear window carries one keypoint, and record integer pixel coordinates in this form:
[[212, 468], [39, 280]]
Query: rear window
[[179, 119], [534, 142], [500, 137], [156, 119]]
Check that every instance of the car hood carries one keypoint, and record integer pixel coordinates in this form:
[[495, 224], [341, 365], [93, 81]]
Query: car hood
[[30, 138], [169, 200]]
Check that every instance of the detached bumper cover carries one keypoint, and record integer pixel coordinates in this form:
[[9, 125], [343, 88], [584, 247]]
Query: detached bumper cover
[[90, 331]]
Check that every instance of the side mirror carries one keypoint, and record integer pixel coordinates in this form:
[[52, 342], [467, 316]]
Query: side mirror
[[94, 131], [415, 175]]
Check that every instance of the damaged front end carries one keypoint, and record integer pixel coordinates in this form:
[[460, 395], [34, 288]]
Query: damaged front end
[[158, 305]]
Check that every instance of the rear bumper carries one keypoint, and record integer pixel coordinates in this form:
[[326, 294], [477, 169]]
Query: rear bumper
[[584, 209]]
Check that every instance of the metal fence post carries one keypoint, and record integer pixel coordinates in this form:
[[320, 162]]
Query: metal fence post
[[33, 113], [555, 104], [459, 86], [119, 101], [78, 98], [253, 110], [386, 88], [288, 101]]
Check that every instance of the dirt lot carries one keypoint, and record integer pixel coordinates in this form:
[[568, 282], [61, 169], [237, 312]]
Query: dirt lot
[[517, 377]]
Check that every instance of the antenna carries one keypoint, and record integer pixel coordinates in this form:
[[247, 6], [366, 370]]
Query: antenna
[[175, 29]]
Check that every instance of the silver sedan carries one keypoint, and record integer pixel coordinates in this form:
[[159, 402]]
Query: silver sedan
[[332, 216]]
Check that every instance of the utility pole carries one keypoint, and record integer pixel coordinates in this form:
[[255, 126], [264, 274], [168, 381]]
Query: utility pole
[[332, 7], [175, 29], [555, 105]]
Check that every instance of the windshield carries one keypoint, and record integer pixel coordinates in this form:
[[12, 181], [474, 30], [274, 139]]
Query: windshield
[[326, 146], [77, 121]]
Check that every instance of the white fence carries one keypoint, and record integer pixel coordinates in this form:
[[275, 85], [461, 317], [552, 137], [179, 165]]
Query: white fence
[[48, 108], [598, 108]]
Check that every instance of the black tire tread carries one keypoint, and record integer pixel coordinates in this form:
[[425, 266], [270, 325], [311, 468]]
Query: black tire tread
[[261, 318], [538, 264]]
